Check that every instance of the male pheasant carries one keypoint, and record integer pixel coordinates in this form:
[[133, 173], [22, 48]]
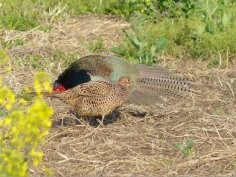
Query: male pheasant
[[96, 98], [152, 82]]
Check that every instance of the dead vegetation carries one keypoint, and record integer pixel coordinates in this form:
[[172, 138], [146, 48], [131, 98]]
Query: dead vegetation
[[136, 141]]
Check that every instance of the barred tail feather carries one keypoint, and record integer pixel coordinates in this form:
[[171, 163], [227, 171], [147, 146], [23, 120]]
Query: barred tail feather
[[158, 84]]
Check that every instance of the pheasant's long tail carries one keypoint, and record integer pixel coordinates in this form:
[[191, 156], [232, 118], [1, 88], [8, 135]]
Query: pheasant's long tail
[[158, 84]]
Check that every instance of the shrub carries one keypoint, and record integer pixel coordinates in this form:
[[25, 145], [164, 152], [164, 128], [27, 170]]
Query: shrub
[[199, 29], [23, 127]]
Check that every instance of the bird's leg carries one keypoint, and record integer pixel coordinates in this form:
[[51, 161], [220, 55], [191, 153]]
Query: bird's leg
[[101, 122]]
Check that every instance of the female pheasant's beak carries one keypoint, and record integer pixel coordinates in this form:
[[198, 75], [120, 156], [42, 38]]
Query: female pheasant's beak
[[58, 87]]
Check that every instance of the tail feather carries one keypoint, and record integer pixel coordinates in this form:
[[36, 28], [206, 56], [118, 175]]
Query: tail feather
[[156, 84], [148, 95], [161, 77], [143, 98]]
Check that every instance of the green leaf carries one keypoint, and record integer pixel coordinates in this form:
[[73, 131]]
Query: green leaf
[[162, 43]]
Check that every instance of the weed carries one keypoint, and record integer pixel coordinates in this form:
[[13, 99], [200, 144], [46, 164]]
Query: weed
[[44, 28], [198, 29], [40, 62], [96, 46], [128, 8], [27, 14], [17, 15], [184, 37], [187, 147], [12, 43], [64, 58], [141, 49]]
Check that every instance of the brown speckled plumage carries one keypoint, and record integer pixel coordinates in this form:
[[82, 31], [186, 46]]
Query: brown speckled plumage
[[96, 98]]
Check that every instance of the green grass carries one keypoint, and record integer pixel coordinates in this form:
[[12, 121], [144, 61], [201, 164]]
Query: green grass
[[96, 45], [39, 62], [12, 43], [187, 147], [20, 15], [141, 48], [200, 29], [28, 14], [202, 34]]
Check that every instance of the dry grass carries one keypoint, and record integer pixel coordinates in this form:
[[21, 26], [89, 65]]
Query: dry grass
[[70, 36], [135, 141]]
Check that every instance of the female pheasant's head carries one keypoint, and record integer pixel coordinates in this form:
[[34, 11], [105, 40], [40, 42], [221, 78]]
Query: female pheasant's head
[[126, 82]]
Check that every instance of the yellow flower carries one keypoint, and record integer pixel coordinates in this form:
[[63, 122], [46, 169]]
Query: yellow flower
[[47, 172], [23, 101], [42, 82], [37, 156], [27, 89], [0, 81], [3, 57], [8, 68], [7, 98], [24, 129]]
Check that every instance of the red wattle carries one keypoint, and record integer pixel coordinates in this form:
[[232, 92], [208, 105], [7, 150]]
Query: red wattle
[[59, 88]]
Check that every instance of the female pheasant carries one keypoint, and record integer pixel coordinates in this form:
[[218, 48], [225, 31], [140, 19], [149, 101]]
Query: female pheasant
[[152, 82], [96, 98]]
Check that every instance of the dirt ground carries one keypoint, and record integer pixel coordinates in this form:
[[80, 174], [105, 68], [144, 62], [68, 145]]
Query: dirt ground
[[136, 140]]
